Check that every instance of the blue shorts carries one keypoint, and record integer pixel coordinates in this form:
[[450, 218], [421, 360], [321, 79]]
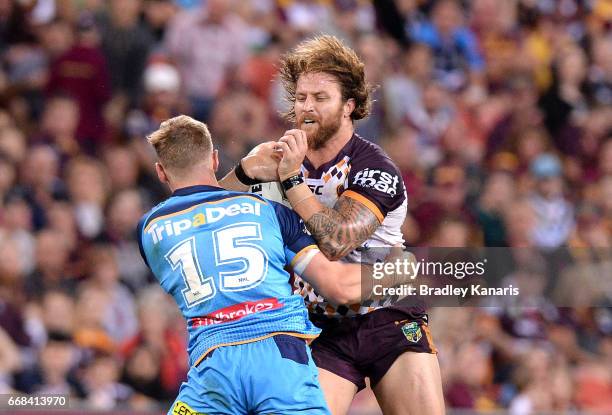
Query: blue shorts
[[272, 376]]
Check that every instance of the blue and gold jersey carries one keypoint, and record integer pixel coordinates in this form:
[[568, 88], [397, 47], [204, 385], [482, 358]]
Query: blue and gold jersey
[[221, 255]]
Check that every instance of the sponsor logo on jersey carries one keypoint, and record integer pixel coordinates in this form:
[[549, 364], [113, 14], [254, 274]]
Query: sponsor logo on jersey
[[377, 179], [412, 331], [181, 408], [158, 230], [235, 312], [316, 189]]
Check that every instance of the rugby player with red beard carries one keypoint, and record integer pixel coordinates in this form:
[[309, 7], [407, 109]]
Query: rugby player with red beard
[[352, 199]]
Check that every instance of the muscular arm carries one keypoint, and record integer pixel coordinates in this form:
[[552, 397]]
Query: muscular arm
[[340, 230], [344, 283]]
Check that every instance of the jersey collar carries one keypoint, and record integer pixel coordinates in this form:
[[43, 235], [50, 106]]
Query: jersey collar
[[189, 190], [323, 167]]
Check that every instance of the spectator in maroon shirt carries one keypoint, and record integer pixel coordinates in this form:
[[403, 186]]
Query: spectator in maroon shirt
[[82, 73], [448, 198]]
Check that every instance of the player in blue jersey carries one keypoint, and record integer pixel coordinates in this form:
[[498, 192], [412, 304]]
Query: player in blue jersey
[[221, 255]]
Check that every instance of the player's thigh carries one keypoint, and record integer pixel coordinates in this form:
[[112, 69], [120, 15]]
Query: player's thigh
[[339, 392], [411, 386]]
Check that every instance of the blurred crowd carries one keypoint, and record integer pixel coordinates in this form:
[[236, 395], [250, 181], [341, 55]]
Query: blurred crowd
[[498, 113]]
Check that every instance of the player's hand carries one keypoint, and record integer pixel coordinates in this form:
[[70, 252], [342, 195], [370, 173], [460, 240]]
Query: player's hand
[[262, 162], [397, 253], [293, 146]]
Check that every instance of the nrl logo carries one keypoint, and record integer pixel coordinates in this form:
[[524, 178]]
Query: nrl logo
[[412, 331]]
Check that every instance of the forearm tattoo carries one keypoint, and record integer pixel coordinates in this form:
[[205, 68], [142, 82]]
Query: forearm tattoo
[[345, 227]]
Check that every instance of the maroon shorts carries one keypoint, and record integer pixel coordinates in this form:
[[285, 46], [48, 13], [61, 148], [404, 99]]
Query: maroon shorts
[[367, 345]]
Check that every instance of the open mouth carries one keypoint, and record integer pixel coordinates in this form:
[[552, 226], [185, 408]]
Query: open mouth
[[308, 122]]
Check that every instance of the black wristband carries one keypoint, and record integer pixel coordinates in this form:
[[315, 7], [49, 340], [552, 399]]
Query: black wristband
[[242, 176], [292, 181]]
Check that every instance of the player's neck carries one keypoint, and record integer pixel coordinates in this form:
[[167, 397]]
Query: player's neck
[[202, 180], [332, 147]]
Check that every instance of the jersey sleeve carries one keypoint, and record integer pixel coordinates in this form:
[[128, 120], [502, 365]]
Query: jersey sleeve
[[300, 247], [376, 182], [140, 229]]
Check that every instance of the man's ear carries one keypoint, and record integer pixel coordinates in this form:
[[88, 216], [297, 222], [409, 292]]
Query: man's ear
[[215, 160], [161, 173], [349, 107]]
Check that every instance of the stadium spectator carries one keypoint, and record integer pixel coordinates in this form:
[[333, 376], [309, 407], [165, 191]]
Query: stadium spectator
[[101, 382], [88, 191], [160, 347], [10, 361], [52, 265], [223, 33], [119, 311], [123, 212], [457, 57], [58, 312], [126, 43], [554, 214], [52, 374], [402, 91], [58, 127], [13, 144], [82, 73], [157, 15]]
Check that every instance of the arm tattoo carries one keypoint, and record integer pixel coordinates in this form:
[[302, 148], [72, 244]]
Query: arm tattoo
[[345, 227]]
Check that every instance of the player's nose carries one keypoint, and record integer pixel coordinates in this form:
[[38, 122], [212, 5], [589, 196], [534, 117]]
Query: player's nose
[[309, 104]]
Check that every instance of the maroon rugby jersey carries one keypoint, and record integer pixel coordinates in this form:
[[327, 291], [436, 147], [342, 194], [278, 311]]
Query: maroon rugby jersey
[[362, 171]]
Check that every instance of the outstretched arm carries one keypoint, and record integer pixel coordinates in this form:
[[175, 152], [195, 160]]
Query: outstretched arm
[[344, 283], [260, 165]]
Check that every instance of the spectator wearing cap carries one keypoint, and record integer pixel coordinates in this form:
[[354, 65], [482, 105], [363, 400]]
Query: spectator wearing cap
[[82, 73], [554, 214], [161, 100]]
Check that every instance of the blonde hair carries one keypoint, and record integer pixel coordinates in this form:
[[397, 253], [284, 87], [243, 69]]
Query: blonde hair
[[181, 142], [329, 55]]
